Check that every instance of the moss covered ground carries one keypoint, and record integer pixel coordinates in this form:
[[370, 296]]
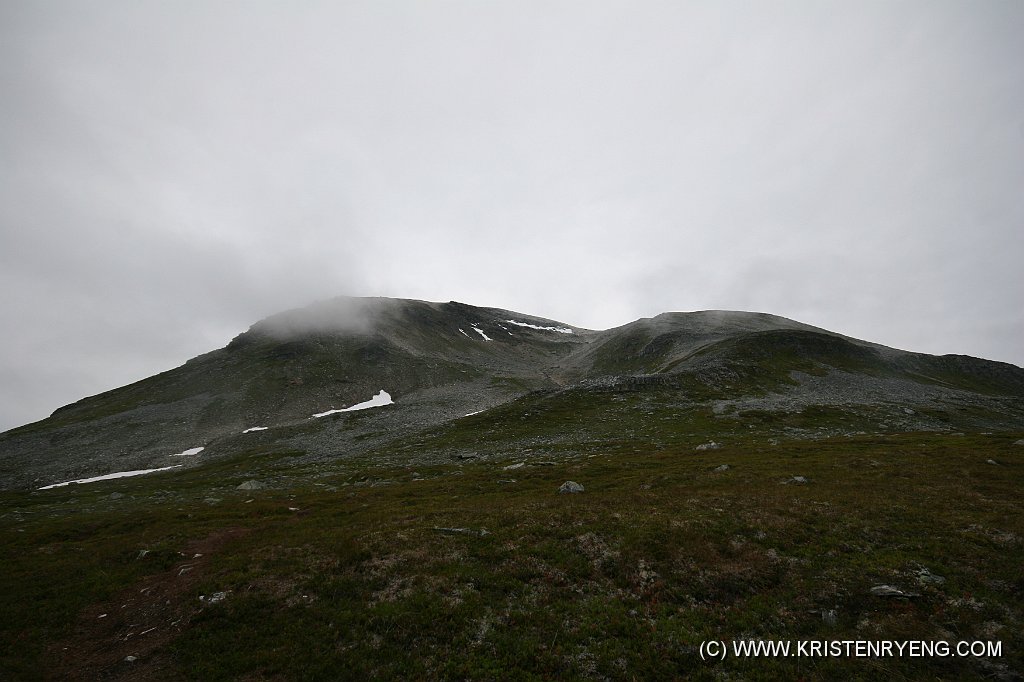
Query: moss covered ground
[[338, 570]]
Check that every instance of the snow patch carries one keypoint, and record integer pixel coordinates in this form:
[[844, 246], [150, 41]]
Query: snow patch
[[472, 413], [480, 331], [189, 452], [106, 477], [560, 330], [379, 400], [465, 334], [255, 428]]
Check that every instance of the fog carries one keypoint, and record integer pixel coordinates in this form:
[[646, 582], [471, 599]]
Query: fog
[[171, 173], [340, 315]]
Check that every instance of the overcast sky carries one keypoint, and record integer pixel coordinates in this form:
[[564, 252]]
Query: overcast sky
[[171, 172]]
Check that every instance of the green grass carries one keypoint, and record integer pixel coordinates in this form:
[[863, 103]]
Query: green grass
[[622, 581]]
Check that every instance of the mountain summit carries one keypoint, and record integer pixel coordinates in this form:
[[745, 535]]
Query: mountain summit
[[403, 380]]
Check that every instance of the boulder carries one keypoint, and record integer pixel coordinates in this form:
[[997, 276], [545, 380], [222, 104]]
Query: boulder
[[926, 577], [890, 592]]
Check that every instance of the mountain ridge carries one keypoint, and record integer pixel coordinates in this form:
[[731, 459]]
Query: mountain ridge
[[441, 361]]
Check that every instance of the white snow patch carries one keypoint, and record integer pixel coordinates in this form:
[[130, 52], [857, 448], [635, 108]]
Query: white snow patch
[[379, 400], [480, 331], [465, 334], [189, 452], [472, 413], [560, 330], [255, 428], [105, 477], [506, 330]]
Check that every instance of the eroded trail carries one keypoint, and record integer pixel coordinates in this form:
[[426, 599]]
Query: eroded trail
[[126, 637]]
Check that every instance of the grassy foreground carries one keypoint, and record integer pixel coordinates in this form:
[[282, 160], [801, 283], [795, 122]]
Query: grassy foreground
[[345, 571]]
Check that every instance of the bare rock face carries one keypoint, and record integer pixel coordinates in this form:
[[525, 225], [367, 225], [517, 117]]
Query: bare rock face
[[570, 487], [251, 485]]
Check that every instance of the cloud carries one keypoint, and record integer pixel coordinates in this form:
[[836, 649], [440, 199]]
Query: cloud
[[173, 173]]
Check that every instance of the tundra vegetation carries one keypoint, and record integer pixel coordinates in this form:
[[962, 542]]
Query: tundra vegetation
[[738, 477]]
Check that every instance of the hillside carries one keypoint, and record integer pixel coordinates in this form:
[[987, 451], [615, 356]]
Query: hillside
[[372, 488], [442, 361]]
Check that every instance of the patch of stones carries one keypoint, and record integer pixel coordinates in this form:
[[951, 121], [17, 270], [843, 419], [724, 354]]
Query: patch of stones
[[480, 533], [214, 598]]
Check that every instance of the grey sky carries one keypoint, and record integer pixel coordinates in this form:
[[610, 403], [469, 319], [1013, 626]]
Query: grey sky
[[171, 172]]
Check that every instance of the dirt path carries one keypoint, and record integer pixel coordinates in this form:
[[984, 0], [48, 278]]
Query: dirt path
[[139, 622]]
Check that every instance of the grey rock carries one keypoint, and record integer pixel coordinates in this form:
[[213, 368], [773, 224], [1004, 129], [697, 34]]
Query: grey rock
[[570, 487], [115, 496], [1019, 442], [251, 485], [214, 598], [481, 533], [796, 480], [708, 446], [722, 467], [890, 592], [926, 577], [992, 462], [130, 659]]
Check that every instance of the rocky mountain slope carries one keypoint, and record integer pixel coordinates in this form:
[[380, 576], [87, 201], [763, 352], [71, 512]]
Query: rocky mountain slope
[[483, 382]]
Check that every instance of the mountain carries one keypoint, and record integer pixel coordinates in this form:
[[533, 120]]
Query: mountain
[[392, 489], [673, 378]]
